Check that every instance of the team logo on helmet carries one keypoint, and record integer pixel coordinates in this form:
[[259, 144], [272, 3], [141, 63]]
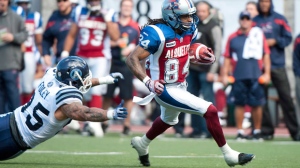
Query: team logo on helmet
[[49, 84], [174, 4], [73, 74]]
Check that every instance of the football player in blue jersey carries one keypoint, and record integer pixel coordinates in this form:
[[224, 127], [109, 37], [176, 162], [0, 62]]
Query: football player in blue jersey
[[165, 43], [56, 101]]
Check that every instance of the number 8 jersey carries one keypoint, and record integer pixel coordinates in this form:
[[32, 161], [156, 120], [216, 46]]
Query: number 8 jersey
[[92, 32], [35, 120], [169, 59]]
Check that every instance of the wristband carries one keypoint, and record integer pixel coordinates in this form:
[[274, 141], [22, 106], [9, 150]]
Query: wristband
[[146, 79], [110, 114]]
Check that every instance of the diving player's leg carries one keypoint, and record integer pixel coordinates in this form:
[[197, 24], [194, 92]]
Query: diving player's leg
[[167, 119], [8, 148]]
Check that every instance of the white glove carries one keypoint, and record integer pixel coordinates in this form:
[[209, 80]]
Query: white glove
[[111, 78], [118, 113], [156, 86], [64, 54], [108, 14]]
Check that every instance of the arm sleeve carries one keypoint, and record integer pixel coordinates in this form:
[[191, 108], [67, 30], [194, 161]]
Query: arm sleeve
[[296, 56], [48, 38], [68, 95], [22, 34], [149, 39], [285, 36], [217, 38]]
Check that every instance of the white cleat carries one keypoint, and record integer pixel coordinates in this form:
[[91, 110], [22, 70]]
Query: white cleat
[[142, 151], [236, 158]]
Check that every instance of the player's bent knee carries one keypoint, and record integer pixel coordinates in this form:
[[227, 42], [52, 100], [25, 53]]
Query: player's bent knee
[[211, 111]]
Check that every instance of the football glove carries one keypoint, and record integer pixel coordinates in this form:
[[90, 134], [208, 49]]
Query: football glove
[[118, 113], [111, 78], [156, 86]]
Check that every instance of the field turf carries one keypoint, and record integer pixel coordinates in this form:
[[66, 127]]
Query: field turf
[[113, 151]]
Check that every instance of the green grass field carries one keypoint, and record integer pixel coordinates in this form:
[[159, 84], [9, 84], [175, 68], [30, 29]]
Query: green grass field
[[113, 151]]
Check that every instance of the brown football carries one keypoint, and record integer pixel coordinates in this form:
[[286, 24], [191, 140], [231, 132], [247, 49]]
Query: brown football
[[201, 54]]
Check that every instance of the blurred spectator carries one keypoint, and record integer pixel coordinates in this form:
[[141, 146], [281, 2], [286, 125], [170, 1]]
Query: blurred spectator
[[12, 35], [296, 68], [129, 37], [92, 26], [278, 35], [251, 7], [247, 49], [57, 29], [33, 46]]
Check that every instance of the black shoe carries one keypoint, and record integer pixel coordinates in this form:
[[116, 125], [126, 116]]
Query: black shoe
[[126, 130], [245, 158], [104, 127], [267, 137], [241, 137], [257, 137], [144, 160]]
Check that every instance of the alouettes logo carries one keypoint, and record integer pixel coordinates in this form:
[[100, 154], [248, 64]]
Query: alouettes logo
[[174, 4]]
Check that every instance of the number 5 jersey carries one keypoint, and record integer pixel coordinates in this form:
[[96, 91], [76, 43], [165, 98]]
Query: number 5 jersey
[[35, 120]]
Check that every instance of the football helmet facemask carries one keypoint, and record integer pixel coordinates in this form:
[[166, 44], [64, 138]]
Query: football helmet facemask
[[74, 71], [172, 10]]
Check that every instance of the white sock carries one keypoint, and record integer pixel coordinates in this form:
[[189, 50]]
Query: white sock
[[145, 140], [225, 149]]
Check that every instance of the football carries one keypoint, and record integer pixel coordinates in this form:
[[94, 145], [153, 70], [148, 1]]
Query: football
[[201, 54]]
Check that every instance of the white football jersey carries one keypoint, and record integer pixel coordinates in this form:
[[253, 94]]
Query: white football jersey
[[35, 120]]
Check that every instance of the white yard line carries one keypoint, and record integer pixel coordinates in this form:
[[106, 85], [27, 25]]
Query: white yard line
[[176, 157], [74, 153]]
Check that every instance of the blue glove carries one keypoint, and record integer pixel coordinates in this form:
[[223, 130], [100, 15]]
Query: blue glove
[[118, 113]]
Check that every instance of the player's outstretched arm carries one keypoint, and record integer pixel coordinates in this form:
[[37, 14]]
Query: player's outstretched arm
[[77, 111], [109, 79]]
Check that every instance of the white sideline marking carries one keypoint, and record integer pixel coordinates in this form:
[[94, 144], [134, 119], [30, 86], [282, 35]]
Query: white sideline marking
[[75, 153], [176, 157]]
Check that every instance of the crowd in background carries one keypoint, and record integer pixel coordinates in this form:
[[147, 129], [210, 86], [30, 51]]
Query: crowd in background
[[237, 82]]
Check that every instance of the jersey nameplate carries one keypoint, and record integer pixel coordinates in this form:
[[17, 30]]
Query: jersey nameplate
[[92, 24], [178, 52], [43, 91]]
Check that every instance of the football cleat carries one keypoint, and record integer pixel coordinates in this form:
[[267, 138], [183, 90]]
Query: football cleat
[[142, 151], [243, 159]]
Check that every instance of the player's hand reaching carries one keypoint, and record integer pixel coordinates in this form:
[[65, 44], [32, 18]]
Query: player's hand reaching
[[111, 78], [156, 86], [118, 113]]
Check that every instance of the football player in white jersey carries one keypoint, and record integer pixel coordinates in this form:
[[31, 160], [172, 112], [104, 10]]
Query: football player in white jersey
[[56, 101], [165, 43]]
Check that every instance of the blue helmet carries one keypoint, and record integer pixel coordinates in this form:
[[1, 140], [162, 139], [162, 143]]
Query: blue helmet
[[74, 71], [172, 10]]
